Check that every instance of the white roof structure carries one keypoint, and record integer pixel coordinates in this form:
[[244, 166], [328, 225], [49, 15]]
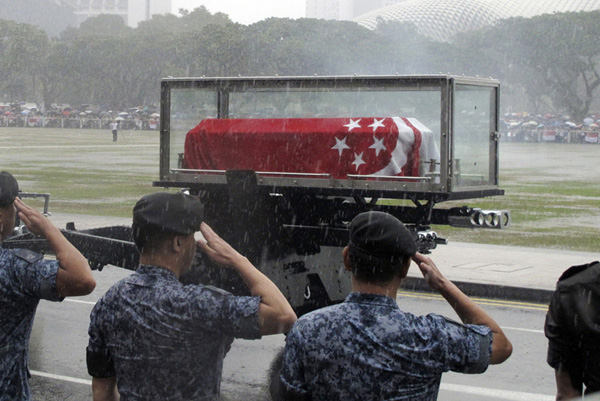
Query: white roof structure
[[442, 19], [132, 11]]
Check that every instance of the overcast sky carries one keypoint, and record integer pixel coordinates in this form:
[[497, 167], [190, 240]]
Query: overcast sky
[[247, 11]]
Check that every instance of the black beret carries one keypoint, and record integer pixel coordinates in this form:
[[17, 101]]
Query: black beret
[[9, 189], [175, 213], [382, 236]]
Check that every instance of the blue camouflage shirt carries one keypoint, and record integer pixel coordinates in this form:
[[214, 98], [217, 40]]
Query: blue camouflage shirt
[[25, 278], [164, 340], [366, 348]]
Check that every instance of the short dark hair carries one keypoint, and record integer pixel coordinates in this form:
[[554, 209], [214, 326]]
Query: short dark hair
[[9, 189], [371, 269], [148, 236]]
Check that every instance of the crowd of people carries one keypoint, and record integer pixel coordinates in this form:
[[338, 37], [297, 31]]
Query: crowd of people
[[85, 116], [153, 338], [523, 127]]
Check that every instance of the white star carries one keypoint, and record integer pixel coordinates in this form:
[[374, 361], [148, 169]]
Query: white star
[[377, 123], [377, 145], [358, 160], [352, 124], [340, 145]]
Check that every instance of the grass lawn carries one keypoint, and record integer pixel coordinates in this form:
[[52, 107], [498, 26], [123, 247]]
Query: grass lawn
[[552, 190], [83, 170]]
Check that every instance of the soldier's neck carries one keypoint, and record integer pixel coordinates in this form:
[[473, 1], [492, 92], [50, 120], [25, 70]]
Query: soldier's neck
[[388, 289], [157, 260]]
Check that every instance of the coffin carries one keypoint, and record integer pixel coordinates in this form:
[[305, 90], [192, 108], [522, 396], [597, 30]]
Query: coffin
[[335, 147]]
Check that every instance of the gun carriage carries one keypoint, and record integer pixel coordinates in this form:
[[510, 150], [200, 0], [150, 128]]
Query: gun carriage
[[283, 164]]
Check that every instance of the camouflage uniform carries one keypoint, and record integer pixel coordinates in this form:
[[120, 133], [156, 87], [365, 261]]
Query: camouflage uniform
[[366, 348], [25, 278], [164, 340]]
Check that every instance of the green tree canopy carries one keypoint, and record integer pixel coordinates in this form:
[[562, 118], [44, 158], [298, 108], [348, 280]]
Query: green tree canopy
[[23, 48], [552, 60]]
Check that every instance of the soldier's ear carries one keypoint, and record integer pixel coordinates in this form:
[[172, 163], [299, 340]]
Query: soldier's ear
[[175, 243], [346, 259]]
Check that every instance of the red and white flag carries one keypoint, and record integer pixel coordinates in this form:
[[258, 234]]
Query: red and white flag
[[591, 137], [549, 136], [382, 146]]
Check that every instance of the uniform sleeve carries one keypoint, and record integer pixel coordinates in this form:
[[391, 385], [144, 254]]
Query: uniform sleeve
[[559, 347], [465, 348], [99, 361], [36, 276], [292, 371], [218, 310]]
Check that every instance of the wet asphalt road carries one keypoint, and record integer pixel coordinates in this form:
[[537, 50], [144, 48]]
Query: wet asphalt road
[[59, 338]]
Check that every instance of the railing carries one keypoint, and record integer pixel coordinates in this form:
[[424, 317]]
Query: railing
[[77, 122], [551, 136]]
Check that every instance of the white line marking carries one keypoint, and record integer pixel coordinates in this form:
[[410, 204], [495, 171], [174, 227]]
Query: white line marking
[[485, 392], [502, 394], [80, 302], [75, 146], [60, 377], [520, 329]]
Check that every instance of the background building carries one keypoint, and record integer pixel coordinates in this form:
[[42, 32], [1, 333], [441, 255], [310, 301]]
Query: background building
[[53, 18], [343, 9], [442, 19], [132, 11]]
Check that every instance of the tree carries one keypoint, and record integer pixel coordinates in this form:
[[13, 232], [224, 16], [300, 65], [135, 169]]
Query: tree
[[564, 50], [101, 25], [22, 51], [407, 51], [553, 58]]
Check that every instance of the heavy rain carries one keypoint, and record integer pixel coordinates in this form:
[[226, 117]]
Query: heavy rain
[[476, 123]]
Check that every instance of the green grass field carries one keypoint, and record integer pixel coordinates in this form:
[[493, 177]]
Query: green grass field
[[83, 170], [552, 190]]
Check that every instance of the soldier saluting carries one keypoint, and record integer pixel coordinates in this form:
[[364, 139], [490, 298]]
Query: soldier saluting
[[25, 278], [153, 338]]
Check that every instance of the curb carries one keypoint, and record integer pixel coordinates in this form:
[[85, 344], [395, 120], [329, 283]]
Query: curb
[[481, 290]]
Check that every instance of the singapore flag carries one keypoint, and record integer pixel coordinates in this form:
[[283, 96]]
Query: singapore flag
[[335, 147]]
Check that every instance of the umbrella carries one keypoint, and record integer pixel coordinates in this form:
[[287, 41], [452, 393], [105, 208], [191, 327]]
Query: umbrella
[[123, 113], [154, 115], [119, 119], [588, 121]]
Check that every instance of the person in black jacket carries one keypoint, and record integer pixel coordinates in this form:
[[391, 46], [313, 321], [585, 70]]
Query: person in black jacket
[[573, 331]]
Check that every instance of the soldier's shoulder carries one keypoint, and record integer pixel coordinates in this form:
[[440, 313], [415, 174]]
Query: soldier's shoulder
[[25, 255], [580, 273], [321, 317]]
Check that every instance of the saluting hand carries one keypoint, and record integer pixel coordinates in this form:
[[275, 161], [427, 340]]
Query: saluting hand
[[35, 221], [430, 272], [217, 249]]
